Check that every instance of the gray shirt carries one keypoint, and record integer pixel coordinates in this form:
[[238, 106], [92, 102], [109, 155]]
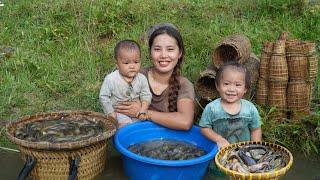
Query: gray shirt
[[115, 89]]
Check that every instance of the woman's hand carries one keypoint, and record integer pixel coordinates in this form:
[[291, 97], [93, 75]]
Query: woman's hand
[[129, 108]]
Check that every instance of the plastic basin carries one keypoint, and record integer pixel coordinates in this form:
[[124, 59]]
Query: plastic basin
[[137, 167]]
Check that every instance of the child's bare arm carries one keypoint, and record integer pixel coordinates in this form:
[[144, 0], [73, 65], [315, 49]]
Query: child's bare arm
[[212, 135], [256, 134]]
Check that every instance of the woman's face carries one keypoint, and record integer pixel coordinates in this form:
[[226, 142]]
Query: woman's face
[[165, 53]]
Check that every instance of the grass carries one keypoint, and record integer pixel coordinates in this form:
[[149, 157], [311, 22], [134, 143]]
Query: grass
[[63, 49]]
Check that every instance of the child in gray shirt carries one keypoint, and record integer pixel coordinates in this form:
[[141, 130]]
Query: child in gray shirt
[[125, 83]]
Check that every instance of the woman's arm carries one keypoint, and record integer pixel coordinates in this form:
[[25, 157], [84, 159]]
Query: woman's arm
[[215, 137], [256, 134], [182, 119]]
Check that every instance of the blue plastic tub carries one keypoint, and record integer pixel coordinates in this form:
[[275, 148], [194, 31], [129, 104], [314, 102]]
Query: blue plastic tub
[[137, 167]]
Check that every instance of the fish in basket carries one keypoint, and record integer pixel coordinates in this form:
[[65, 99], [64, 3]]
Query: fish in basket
[[62, 145], [254, 160]]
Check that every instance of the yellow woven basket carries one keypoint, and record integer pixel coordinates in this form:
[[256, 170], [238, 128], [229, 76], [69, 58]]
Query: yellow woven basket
[[254, 176], [53, 159]]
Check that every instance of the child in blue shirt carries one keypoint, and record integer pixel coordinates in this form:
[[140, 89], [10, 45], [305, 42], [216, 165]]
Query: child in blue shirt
[[231, 119]]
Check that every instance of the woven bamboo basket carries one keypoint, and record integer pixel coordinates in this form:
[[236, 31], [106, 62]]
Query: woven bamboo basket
[[312, 60], [295, 47], [279, 47], [205, 84], [312, 67], [234, 175], [53, 158], [264, 59], [262, 92], [290, 43], [297, 66], [278, 68], [277, 94], [298, 96], [252, 65], [233, 47]]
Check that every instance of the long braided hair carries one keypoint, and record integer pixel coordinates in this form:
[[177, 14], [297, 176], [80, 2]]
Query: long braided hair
[[174, 83]]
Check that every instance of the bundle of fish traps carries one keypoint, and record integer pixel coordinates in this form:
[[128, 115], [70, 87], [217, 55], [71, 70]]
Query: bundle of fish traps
[[57, 145], [254, 160]]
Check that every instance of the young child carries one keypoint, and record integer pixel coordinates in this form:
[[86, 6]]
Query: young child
[[231, 119], [126, 83]]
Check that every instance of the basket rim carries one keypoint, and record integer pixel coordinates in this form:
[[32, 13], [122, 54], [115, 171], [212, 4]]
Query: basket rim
[[273, 174], [108, 122]]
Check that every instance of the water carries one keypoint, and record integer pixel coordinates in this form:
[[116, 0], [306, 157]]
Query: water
[[11, 164], [167, 149]]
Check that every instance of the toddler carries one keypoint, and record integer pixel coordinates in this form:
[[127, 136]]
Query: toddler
[[231, 119], [125, 83]]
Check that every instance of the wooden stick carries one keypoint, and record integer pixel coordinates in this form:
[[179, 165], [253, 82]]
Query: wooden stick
[[9, 149]]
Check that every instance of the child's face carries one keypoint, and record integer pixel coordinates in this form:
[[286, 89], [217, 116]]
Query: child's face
[[232, 85], [128, 63]]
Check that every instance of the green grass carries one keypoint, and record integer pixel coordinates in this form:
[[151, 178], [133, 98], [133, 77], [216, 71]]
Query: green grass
[[63, 49]]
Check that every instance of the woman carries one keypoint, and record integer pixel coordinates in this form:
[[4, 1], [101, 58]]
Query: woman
[[172, 102]]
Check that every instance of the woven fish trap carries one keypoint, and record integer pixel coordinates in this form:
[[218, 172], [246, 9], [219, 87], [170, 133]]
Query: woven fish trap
[[252, 65], [295, 47], [279, 47], [310, 48], [277, 94], [265, 58], [278, 68], [234, 175], [312, 67], [205, 85], [234, 47], [298, 95], [53, 158], [262, 92], [297, 66]]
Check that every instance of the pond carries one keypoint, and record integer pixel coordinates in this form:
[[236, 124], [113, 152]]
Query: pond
[[11, 164]]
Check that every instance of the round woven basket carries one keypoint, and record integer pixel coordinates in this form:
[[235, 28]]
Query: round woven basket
[[297, 66], [56, 164], [254, 176], [53, 158], [264, 59], [234, 47]]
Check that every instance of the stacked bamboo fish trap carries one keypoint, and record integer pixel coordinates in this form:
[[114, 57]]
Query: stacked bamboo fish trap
[[286, 77], [234, 47], [53, 159]]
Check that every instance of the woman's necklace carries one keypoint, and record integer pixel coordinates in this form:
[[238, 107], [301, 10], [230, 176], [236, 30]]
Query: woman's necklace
[[156, 86]]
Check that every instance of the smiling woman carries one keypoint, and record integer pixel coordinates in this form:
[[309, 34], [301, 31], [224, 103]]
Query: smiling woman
[[172, 102]]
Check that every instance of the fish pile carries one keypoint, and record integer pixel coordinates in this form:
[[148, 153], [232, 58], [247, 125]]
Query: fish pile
[[254, 158], [167, 149], [59, 130]]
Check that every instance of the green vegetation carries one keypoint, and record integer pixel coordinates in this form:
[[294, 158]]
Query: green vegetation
[[63, 49]]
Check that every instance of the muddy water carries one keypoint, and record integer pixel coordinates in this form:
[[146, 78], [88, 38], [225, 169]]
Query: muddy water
[[11, 164]]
